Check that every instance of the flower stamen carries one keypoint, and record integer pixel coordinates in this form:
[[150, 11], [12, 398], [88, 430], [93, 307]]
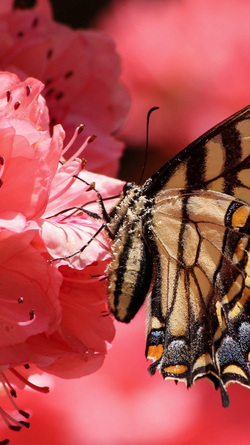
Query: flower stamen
[[10, 421], [32, 318], [8, 95], [17, 104], [77, 131], [77, 153], [28, 90], [11, 389], [2, 166], [43, 389]]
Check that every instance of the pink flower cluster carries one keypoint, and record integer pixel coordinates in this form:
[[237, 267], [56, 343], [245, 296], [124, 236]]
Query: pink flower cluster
[[81, 73], [43, 307], [52, 315]]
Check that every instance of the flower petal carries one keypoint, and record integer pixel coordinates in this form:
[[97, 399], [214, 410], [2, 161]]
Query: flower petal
[[28, 283]]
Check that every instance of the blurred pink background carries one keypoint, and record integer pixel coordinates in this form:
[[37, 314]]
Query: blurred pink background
[[122, 404], [192, 59]]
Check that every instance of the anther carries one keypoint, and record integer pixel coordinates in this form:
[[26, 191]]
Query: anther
[[32, 314], [80, 128], [17, 104], [24, 414], [92, 138], [15, 427], [28, 90], [91, 187], [8, 95], [13, 393], [26, 424], [84, 162]]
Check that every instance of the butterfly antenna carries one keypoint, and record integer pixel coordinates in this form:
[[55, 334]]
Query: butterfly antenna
[[146, 151]]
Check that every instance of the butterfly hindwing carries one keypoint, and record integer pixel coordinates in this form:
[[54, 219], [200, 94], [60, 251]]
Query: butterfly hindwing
[[201, 287], [187, 232]]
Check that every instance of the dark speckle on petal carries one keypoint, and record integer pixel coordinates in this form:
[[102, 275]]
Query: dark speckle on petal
[[35, 22], [60, 95], [49, 53], [47, 81], [68, 74], [49, 92]]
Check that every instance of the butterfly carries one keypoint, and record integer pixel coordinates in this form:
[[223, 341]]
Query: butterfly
[[183, 239]]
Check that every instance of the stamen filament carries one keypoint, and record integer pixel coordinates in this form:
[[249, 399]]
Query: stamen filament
[[18, 323], [80, 149], [43, 389], [10, 396], [77, 131], [9, 420], [12, 390]]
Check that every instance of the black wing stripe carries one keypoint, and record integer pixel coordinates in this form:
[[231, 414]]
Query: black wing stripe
[[231, 140], [196, 169]]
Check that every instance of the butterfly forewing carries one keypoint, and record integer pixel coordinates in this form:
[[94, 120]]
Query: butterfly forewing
[[187, 231], [219, 160]]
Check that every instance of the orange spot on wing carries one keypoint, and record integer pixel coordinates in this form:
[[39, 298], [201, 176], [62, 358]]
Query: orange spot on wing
[[155, 352], [240, 216], [177, 369]]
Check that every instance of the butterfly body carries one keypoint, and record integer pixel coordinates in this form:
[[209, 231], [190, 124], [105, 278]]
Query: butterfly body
[[185, 237], [130, 272]]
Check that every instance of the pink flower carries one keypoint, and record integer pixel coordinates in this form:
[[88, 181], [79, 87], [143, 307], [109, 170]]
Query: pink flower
[[52, 315], [26, 173], [81, 73], [189, 58], [123, 404]]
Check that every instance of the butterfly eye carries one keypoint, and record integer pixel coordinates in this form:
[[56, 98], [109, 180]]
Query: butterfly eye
[[127, 187]]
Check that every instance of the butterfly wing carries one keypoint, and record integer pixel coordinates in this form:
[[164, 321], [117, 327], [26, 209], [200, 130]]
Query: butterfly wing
[[199, 311], [199, 307], [219, 160]]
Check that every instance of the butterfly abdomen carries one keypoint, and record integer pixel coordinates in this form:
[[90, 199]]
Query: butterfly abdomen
[[130, 271]]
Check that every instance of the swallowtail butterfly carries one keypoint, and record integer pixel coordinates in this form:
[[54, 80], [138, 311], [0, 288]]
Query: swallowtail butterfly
[[184, 239]]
